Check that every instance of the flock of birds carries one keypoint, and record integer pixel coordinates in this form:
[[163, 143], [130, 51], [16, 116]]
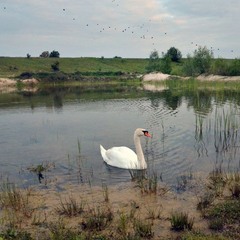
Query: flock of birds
[[139, 31]]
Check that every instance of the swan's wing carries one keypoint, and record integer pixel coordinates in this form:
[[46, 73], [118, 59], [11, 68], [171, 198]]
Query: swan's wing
[[122, 157]]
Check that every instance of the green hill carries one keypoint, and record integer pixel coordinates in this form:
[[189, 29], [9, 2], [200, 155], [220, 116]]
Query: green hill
[[13, 67]]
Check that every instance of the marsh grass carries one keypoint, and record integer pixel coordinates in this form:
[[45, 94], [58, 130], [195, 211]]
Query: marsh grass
[[181, 221], [143, 229], [105, 192], [148, 185], [70, 207], [97, 218], [205, 200], [14, 199], [217, 181], [123, 222], [233, 182], [154, 212], [225, 213], [59, 231]]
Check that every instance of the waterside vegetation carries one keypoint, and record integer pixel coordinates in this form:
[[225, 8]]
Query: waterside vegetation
[[42, 214]]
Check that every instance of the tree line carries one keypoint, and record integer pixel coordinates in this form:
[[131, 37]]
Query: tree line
[[200, 62]]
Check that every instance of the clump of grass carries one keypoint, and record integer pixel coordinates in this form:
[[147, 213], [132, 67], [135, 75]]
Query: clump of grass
[[59, 231], [148, 185], [154, 213], [233, 180], [122, 226], [70, 207], [97, 219], [12, 233], [225, 215], [205, 200], [143, 229], [15, 199], [180, 221], [105, 192], [217, 181], [197, 235], [216, 224], [228, 211]]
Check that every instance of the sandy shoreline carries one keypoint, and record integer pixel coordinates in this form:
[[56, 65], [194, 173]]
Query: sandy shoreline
[[158, 76]]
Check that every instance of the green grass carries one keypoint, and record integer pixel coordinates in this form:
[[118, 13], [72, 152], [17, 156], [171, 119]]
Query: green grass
[[12, 67]]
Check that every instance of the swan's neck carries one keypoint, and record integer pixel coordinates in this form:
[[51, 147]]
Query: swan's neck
[[139, 151]]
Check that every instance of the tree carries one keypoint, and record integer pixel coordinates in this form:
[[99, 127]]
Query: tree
[[54, 54], [174, 54], [28, 55], [202, 59], [44, 54], [154, 62], [165, 65], [200, 62]]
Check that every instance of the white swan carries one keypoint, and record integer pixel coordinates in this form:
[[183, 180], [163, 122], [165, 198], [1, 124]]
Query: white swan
[[124, 157]]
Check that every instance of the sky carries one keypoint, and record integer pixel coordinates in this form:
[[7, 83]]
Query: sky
[[123, 28]]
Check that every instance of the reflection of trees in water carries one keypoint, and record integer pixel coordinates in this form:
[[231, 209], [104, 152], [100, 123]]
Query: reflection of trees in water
[[58, 101]]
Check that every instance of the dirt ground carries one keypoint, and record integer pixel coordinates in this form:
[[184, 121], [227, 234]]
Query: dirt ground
[[122, 199]]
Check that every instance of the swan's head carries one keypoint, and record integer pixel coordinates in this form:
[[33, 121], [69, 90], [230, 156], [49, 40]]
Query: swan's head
[[142, 132]]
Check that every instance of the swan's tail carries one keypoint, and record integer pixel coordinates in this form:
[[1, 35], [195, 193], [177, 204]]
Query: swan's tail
[[103, 153]]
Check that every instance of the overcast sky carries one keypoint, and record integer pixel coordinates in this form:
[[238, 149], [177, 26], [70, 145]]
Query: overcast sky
[[124, 28]]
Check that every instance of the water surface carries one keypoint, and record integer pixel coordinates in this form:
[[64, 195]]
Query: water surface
[[194, 130]]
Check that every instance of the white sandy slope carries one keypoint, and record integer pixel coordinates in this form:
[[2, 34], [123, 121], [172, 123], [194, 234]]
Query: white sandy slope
[[158, 76]]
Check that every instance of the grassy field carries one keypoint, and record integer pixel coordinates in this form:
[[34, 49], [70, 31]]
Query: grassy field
[[13, 67]]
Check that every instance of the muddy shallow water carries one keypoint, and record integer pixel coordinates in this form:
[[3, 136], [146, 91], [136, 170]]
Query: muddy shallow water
[[193, 132]]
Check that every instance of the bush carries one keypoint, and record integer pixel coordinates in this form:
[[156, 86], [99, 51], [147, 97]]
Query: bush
[[219, 67], [200, 62], [154, 62], [234, 68], [165, 65], [26, 75], [55, 66]]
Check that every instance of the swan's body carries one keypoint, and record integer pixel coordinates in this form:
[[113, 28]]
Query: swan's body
[[124, 157]]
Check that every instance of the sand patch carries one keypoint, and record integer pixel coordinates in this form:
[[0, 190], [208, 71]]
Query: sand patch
[[155, 77]]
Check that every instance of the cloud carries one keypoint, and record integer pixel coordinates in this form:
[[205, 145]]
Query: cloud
[[117, 27]]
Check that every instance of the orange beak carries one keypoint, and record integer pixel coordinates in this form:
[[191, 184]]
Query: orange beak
[[147, 134]]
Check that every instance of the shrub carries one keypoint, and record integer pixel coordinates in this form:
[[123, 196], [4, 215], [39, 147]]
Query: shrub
[[165, 65], [55, 66], [154, 62], [200, 62]]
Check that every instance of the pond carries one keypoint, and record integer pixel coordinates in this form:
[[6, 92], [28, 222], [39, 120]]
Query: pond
[[194, 127]]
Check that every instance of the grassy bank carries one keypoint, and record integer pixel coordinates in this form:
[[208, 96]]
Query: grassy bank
[[13, 67], [94, 67], [139, 210]]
